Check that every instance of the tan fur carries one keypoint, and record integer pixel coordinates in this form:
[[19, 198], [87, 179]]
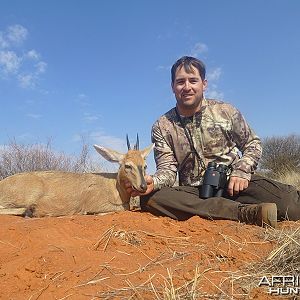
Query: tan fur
[[54, 193]]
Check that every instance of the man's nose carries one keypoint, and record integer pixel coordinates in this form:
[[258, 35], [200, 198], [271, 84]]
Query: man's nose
[[187, 85]]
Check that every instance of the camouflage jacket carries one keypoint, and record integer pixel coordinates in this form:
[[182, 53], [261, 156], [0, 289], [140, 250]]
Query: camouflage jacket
[[219, 133]]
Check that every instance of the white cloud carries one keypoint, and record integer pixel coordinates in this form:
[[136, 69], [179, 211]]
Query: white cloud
[[102, 139], [9, 62], [90, 118], [41, 67], [16, 34], [26, 80], [163, 68], [214, 74], [3, 41], [82, 99], [213, 77], [29, 80], [112, 142], [33, 54], [14, 64], [213, 92], [34, 116], [12, 36], [199, 48]]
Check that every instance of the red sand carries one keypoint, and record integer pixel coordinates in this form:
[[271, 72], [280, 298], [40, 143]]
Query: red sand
[[122, 254]]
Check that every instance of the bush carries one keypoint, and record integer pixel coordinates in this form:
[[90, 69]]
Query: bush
[[17, 158], [281, 155]]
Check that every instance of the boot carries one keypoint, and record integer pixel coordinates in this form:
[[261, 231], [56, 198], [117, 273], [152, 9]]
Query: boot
[[258, 214]]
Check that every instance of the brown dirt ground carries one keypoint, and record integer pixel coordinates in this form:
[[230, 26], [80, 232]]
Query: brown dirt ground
[[124, 255]]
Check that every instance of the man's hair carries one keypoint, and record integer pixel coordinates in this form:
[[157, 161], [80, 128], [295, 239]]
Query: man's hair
[[188, 62]]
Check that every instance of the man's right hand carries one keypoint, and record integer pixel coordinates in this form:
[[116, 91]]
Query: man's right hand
[[134, 193], [236, 185]]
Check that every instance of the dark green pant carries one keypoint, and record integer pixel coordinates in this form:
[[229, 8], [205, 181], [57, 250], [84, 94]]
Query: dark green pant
[[182, 202]]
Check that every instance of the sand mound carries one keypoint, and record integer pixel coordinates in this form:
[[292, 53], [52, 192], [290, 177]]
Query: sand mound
[[127, 254]]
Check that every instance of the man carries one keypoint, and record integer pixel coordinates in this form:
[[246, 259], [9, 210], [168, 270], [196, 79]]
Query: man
[[198, 131]]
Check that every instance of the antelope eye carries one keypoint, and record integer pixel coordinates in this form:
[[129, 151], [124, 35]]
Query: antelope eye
[[145, 167], [128, 167]]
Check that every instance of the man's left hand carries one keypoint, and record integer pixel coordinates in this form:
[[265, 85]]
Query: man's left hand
[[236, 185]]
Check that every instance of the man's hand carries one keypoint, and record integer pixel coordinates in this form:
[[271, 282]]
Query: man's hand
[[236, 185], [134, 193]]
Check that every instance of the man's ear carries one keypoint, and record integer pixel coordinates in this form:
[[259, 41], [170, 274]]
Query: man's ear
[[172, 87], [205, 84]]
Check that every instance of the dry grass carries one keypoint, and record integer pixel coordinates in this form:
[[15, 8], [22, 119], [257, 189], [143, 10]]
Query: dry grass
[[283, 260], [285, 175], [190, 290], [289, 177]]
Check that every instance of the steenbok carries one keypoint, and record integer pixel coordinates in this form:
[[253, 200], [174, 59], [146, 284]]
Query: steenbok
[[56, 193]]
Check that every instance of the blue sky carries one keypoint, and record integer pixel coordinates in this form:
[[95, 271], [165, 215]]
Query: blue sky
[[101, 69]]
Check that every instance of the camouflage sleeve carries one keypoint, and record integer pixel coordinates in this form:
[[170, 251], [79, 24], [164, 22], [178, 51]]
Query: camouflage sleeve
[[249, 144], [166, 164]]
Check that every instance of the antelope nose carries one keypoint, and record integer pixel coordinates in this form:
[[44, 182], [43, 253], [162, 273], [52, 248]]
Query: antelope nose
[[143, 186]]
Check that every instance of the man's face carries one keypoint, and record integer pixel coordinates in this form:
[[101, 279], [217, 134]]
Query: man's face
[[188, 89]]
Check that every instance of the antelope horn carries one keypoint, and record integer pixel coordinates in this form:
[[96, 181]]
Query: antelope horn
[[128, 143], [137, 144]]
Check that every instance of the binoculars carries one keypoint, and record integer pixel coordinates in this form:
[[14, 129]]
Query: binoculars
[[214, 180]]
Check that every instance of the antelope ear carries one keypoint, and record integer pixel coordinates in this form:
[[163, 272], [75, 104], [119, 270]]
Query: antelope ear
[[146, 151], [110, 155]]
